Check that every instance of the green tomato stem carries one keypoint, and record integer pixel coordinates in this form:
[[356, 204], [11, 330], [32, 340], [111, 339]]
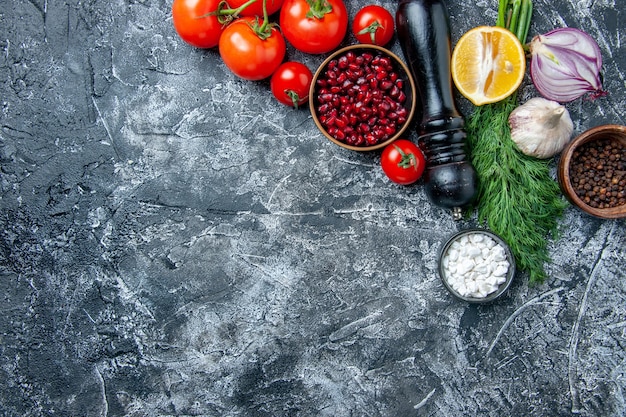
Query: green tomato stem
[[295, 98], [223, 9], [318, 8], [263, 30], [407, 159], [371, 29]]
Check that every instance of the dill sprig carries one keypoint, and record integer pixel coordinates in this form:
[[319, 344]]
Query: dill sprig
[[517, 195]]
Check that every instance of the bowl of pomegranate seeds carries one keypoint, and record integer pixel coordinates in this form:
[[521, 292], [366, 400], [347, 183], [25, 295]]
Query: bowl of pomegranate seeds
[[362, 97], [592, 171]]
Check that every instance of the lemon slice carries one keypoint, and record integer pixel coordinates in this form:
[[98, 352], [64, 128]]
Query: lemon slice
[[488, 64]]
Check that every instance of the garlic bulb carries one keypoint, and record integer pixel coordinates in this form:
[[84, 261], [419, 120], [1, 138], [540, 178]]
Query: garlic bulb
[[541, 127]]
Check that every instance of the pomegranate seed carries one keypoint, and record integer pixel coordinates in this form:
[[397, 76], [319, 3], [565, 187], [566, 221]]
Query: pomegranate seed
[[339, 134], [360, 98], [394, 92], [342, 121], [390, 130], [325, 97], [385, 84], [323, 109]]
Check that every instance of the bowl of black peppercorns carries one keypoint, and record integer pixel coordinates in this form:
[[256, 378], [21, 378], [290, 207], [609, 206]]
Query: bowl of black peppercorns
[[592, 171]]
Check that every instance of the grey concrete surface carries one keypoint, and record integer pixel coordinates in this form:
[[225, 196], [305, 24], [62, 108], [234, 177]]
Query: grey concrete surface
[[175, 242]]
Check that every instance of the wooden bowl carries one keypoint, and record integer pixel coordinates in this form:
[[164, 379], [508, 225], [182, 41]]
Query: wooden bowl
[[565, 174], [409, 89]]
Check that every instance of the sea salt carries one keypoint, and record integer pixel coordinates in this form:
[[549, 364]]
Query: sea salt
[[475, 265]]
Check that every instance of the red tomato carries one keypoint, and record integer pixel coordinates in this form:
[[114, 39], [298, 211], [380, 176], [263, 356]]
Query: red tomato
[[403, 162], [198, 22], [249, 55], [314, 26], [373, 24], [290, 83], [256, 8]]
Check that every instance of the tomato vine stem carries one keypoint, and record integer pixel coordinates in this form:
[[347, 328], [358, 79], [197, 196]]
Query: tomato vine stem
[[224, 13], [318, 8], [262, 30]]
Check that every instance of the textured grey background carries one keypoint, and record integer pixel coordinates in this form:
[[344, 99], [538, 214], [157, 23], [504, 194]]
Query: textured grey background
[[175, 242]]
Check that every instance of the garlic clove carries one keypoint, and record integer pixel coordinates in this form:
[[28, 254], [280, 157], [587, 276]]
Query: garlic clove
[[540, 127]]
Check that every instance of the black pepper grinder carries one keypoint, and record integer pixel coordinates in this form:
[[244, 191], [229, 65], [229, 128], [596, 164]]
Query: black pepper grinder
[[423, 28]]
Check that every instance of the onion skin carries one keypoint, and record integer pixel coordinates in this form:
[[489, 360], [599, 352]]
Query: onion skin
[[565, 64]]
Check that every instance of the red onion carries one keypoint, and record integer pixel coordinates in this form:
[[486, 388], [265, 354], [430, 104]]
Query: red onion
[[565, 64]]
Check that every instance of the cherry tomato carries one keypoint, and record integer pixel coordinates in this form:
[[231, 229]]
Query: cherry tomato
[[314, 26], [373, 24], [403, 162], [199, 22], [251, 48], [256, 8], [290, 83]]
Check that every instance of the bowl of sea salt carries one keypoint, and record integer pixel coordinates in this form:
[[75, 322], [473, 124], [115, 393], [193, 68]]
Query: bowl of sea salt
[[476, 265]]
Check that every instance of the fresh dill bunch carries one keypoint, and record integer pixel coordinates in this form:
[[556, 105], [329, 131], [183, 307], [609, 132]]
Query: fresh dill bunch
[[517, 196]]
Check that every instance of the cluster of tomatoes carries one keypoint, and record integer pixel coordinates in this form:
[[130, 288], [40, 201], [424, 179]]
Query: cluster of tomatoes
[[253, 46]]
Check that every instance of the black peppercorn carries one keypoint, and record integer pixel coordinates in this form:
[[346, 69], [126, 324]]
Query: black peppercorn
[[598, 173]]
